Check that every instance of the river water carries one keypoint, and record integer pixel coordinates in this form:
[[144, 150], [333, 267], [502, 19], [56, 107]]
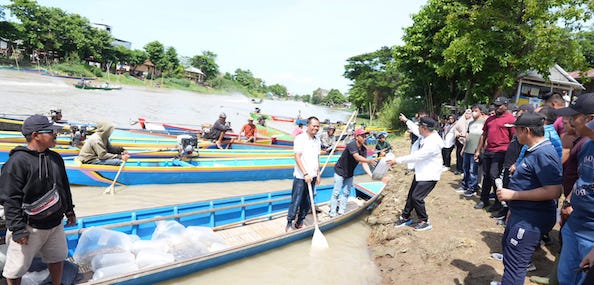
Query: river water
[[346, 262]]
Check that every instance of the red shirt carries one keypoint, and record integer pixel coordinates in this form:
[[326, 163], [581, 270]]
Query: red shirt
[[497, 134]]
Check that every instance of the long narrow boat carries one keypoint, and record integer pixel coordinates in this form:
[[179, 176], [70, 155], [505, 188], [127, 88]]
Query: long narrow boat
[[93, 87], [194, 170], [248, 225]]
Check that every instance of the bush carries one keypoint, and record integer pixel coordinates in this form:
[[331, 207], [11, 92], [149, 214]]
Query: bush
[[390, 112], [95, 70], [73, 69], [178, 81]]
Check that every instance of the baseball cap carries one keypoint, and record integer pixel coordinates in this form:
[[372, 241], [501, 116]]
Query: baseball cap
[[527, 107], [428, 123], [501, 101], [528, 119], [222, 115], [37, 123], [361, 131], [584, 104], [331, 127]]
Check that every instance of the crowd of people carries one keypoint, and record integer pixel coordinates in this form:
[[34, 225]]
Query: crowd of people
[[529, 157]]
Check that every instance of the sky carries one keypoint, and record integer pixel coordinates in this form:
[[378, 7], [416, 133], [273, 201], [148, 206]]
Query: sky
[[301, 44]]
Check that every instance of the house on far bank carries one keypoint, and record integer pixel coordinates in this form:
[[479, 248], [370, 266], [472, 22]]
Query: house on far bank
[[194, 74], [143, 70], [589, 74], [531, 85]]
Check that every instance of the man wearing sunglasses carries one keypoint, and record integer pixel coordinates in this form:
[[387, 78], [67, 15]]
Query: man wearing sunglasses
[[35, 193]]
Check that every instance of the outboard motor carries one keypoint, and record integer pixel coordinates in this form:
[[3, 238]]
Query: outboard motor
[[186, 144]]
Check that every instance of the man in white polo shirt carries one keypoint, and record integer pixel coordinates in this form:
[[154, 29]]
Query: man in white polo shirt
[[307, 170]]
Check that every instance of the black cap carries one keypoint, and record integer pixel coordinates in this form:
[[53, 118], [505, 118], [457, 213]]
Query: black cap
[[501, 101], [428, 123], [37, 123], [527, 107], [584, 104], [528, 119]]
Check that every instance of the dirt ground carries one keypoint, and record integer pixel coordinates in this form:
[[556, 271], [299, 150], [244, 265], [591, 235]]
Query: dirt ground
[[458, 248]]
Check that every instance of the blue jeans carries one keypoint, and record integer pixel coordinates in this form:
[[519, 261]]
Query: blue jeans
[[300, 203], [340, 193], [573, 251], [470, 168]]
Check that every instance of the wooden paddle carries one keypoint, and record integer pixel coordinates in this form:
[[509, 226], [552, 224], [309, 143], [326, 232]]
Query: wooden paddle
[[111, 188], [319, 240]]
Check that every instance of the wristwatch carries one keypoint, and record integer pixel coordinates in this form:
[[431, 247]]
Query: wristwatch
[[566, 204]]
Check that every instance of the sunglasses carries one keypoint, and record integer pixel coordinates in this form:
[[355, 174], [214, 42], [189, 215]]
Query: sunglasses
[[46, 132]]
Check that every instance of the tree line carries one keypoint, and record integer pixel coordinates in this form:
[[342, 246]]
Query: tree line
[[50, 34], [459, 52]]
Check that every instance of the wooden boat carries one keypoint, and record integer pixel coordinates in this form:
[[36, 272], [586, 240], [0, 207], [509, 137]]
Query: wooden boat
[[97, 87], [247, 225], [193, 170], [179, 129]]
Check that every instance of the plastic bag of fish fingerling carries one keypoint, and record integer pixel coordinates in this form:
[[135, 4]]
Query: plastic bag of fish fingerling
[[168, 229], [109, 259], [96, 241], [158, 245], [148, 258], [203, 235], [114, 270], [382, 167]]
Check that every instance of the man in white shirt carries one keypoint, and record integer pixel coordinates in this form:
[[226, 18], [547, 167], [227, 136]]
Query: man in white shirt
[[427, 162], [307, 170]]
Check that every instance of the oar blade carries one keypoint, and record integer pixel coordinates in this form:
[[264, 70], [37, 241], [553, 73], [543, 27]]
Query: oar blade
[[319, 240]]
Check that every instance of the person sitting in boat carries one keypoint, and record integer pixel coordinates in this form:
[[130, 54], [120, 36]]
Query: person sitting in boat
[[98, 150], [218, 130], [382, 145], [56, 115], [328, 139], [262, 121], [105, 85], [249, 131]]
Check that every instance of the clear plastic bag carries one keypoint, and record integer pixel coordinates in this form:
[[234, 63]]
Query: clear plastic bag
[[95, 241]]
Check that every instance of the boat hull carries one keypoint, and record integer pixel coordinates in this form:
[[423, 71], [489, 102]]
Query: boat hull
[[173, 171], [221, 215]]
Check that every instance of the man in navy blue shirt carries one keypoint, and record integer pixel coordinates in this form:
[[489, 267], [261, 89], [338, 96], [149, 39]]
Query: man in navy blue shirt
[[533, 190]]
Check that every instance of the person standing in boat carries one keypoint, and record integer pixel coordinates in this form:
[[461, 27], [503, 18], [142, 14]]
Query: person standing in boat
[[307, 171], [249, 131], [98, 150], [35, 193], [344, 170]]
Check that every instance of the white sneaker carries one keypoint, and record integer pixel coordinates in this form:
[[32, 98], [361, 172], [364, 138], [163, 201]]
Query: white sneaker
[[444, 169], [459, 190], [495, 283], [497, 256]]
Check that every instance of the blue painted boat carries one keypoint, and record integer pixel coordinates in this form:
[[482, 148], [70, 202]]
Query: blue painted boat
[[248, 224], [193, 170]]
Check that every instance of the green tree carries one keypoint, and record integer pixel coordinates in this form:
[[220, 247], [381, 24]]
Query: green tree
[[207, 63], [373, 82], [278, 90], [170, 61], [586, 44], [334, 97], [156, 52], [473, 50]]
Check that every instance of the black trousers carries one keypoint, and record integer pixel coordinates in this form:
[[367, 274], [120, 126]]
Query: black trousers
[[492, 166], [416, 198], [459, 157], [446, 154]]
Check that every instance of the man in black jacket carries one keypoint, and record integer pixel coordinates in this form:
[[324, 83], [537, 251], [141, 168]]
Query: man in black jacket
[[35, 193]]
